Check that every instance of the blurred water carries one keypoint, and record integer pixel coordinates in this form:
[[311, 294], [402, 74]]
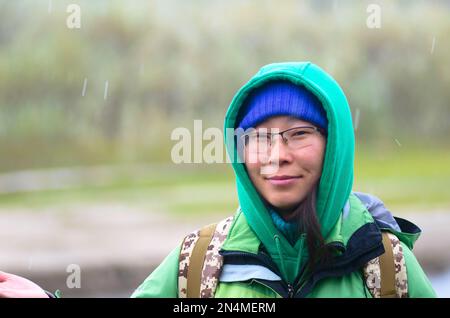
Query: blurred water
[[441, 283]]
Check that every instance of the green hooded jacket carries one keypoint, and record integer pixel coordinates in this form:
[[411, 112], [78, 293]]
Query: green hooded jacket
[[277, 269]]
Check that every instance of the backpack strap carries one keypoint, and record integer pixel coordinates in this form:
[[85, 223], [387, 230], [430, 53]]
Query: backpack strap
[[386, 275], [194, 274], [387, 269], [200, 263]]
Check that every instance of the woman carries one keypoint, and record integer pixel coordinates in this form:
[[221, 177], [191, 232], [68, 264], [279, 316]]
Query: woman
[[299, 230]]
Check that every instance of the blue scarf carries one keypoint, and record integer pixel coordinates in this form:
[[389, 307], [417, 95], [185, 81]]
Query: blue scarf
[[290, 230]]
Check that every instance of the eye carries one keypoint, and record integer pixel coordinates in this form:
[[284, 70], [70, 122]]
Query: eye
[[256, 138], [299, 133], [262, 137]]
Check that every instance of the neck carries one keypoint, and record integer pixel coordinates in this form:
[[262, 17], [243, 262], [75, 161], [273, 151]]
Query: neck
[[288, 215]]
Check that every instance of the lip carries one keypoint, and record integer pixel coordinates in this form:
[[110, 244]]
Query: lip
[[283, 180]]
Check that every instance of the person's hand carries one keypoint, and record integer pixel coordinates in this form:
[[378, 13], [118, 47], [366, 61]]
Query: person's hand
[[13, 286]]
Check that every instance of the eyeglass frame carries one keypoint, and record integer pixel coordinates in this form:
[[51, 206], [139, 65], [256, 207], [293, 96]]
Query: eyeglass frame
[[285, 140]]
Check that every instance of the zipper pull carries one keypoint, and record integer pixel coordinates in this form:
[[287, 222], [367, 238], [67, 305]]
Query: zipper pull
[[290, 291]]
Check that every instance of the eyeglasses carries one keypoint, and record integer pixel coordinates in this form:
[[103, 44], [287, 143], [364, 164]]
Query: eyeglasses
[[261, 141]]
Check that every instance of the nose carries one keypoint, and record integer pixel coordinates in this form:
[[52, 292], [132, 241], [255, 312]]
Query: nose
[[280, 152]]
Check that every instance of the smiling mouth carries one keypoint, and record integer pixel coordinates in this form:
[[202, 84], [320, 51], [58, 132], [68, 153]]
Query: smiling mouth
[[283, 180], [283, 177]]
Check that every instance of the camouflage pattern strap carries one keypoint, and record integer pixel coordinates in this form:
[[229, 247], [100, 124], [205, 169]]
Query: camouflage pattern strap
[[209, 262], [401, 278], [372, 276], [185, 254], [197, 259], [212, 266], [397, 280]]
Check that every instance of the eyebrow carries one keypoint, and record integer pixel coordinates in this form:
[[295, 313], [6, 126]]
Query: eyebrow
[[292, 119]]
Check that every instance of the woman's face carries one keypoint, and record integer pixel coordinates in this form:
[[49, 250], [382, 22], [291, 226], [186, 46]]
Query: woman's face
[[297, 172]]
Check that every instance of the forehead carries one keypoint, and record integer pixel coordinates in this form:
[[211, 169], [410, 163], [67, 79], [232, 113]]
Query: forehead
[[283, 122]]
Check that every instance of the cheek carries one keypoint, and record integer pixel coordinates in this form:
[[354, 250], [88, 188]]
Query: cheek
[[312, 160], [253, 165], [252, 169]]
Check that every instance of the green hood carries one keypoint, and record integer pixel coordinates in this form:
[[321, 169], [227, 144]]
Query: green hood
[[337, 175]]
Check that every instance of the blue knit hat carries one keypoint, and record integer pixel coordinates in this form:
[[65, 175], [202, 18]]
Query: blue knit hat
[[278, 98]]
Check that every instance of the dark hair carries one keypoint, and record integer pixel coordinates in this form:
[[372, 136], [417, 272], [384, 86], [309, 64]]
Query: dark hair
[[305, 214]]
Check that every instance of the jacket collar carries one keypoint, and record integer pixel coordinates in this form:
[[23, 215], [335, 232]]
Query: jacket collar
[[242, 238], [356, 238]]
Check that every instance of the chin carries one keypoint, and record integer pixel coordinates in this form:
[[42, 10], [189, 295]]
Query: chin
[[284, 205], [286, 202]]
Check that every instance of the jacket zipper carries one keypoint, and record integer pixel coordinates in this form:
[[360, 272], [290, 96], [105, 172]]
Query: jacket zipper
[[289, 288], [290, 291], [268, 287], [270, 265], [292, 288]]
